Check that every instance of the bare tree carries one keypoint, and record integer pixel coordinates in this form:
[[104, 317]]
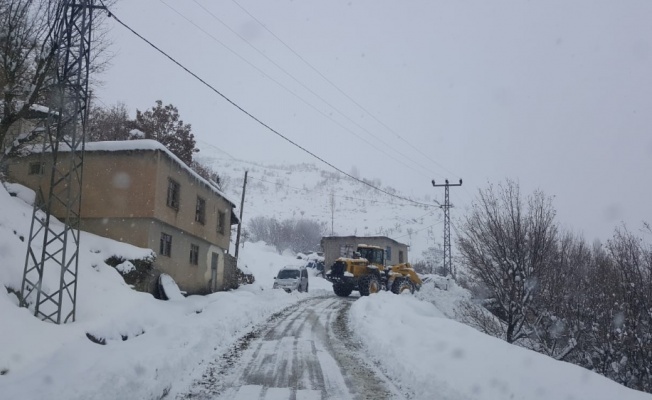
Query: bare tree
[[298, 235], [27, 59], [563, 307], [111, 123], [506, 243]]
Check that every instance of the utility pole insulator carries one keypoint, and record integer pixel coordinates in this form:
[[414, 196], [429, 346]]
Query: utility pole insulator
[[448, 264]]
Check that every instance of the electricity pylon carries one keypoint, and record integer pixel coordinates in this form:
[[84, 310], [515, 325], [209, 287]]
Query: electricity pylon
[[448, 264], [51, 264]]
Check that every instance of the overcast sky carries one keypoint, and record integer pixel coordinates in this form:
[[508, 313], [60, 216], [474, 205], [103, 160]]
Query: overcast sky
[[554, 94]]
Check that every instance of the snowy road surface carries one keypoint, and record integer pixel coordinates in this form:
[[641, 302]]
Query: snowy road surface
[[304, 352]]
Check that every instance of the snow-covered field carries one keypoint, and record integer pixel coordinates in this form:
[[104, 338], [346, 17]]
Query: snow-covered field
[[168, 343]]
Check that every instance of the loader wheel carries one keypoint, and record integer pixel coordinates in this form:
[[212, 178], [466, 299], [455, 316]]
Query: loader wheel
[[369, 284], [342, 289], [401, 285]]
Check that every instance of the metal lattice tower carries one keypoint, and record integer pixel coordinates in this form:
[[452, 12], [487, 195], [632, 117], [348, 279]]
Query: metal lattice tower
[[50, 276], [448, 264]]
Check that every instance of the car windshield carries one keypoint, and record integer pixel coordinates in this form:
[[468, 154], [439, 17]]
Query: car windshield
[[288, 274]]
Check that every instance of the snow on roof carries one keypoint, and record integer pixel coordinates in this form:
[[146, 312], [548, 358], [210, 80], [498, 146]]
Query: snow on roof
[[142, 145], [129, 145], [359, 239]]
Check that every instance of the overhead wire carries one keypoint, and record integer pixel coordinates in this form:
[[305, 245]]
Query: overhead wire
[[335, 195], [301, 83], [388, 154], [340, 90], [419, 230], [260, 122], [301, 189], [330, 82]]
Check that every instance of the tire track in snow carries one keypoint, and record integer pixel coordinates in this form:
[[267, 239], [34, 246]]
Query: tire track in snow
[[303, 353]]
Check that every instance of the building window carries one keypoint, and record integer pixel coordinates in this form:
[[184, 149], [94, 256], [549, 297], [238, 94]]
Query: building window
[[200, 210], [388, 253], [194, 254], [400, 256], [166, 245], [221, 222], [173, 194], [36, 168]]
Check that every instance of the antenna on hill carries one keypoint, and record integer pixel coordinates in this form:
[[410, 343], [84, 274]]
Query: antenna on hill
[[448, 265]]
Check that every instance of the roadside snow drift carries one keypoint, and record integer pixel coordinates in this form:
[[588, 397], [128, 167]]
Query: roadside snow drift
[[156, 349], [438, 358]]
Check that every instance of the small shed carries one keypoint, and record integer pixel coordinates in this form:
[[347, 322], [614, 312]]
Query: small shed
[[344, 246]]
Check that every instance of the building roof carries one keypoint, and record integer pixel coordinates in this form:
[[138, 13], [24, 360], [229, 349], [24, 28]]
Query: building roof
[[360, 239], [141, 145]]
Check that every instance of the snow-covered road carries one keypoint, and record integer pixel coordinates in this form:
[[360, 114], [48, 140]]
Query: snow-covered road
[[304, 352]]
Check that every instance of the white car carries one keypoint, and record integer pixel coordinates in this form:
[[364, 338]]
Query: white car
[[291, 278]]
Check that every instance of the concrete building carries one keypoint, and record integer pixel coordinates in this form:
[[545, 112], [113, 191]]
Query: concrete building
[[138, 192], [344, 246]]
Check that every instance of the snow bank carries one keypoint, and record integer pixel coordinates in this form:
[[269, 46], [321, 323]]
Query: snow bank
[[436, 357], [149, 346]]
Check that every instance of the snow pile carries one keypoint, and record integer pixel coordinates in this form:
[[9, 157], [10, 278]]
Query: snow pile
[[435, 357], [128, 345], [445, 294], [124, 344]]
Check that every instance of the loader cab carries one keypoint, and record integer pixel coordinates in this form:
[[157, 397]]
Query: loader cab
[[373, 254]]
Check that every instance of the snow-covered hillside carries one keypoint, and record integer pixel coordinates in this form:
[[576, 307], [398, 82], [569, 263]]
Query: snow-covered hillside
[[156, 349], [305, 191]]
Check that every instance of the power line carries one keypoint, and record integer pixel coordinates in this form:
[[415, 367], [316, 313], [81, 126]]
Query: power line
[[297, 81], [112, 15], [340, 196], [340, 90], [419, 230], [388, 154], [302, 189]]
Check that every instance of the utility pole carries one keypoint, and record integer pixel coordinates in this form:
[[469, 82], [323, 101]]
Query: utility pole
[[237, 237], [50, 276], [332, 204], [448, 265]]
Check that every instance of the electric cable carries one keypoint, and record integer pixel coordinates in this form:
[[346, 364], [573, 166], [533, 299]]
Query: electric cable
[[372, 144], [112, 15], [340, 90], [297, 81], [336, 195]]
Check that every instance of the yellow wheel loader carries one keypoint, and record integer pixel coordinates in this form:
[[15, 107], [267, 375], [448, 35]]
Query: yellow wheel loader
[[367, 273]]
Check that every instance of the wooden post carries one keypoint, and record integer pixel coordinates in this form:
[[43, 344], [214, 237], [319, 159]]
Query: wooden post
[[237, 238]]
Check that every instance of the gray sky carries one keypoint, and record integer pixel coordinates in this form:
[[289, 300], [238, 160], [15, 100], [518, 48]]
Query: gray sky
[[554, 94]]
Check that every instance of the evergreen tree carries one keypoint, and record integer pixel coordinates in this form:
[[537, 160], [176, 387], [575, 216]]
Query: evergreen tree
[[163, 124]]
